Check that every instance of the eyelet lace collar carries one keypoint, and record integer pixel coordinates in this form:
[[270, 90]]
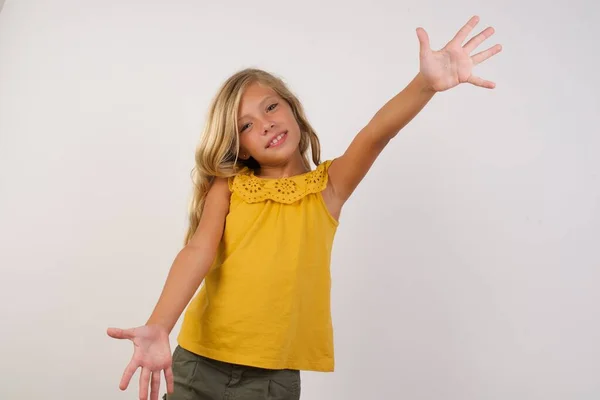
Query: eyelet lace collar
[[253, 189]]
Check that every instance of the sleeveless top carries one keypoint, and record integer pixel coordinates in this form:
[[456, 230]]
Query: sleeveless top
[[265, 302]]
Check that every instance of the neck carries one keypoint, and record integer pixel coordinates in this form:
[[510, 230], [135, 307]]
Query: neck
[[286, 169]]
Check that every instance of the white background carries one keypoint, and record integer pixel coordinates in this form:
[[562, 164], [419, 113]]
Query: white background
[[466, 266]]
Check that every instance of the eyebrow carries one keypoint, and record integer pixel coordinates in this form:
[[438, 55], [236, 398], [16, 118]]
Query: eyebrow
[[261, 103]]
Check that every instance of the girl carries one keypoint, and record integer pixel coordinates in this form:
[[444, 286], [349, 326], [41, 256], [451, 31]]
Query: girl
[[260, 236]]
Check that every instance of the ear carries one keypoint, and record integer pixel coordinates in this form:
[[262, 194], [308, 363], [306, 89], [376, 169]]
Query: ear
[[244, 155]]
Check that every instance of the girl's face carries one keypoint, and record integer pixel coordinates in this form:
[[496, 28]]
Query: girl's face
[[268, 130]]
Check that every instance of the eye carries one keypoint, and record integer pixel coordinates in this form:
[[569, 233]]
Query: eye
[[272, 106], [244, 127]]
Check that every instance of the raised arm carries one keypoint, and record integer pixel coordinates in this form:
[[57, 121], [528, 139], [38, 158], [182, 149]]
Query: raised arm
[[439, 71], [348, 170]]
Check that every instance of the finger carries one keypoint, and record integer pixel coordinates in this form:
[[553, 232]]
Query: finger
[[477, 81], [118, 333], [144, 382], [462, 34], [478, 39], [484, 55], [155, 386], [169, 380], [423, 41], [127, 375]]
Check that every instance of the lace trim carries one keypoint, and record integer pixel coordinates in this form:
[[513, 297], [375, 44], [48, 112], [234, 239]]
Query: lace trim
[[253, 189]]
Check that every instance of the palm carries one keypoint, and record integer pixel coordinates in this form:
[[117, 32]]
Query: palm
[[150, 350], [152, 353], [453, 64]]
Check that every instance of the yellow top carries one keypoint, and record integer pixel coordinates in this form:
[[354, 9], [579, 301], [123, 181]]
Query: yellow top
[[266, 300]]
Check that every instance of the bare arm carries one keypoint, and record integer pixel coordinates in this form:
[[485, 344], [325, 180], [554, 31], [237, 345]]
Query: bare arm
[[439, 71], [193, 262], [347, 171]]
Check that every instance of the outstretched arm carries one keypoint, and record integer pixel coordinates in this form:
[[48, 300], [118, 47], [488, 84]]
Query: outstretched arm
[[193, 262], [348, 170], [152, 350], [439, 71]]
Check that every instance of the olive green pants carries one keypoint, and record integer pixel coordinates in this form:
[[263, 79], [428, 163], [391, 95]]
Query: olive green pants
[[200, 378]]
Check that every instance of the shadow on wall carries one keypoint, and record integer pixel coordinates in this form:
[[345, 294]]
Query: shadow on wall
[[1, 5]]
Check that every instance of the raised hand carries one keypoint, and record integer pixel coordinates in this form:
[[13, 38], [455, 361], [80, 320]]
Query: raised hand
[[453, 65], [152, 352]]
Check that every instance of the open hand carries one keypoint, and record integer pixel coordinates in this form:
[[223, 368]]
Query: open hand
[[152, 352], [453, 65]]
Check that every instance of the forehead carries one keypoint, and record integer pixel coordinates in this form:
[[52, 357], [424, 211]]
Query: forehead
[[254, 94]]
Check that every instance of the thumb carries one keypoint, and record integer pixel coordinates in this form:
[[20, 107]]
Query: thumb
[[118, 333], [423, 40]]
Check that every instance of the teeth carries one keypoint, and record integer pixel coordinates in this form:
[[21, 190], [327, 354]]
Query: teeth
[[277, 139]]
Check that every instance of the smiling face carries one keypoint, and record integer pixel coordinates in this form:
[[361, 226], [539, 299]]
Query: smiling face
[[268, 130]]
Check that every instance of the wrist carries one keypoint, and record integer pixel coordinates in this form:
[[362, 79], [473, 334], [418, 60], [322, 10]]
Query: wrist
[[423, 85], [163, 325]]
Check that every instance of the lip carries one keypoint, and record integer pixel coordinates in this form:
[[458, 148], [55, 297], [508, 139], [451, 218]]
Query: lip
[[274, 136]]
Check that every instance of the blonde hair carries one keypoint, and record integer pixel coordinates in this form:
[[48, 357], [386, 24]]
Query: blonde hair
[[218, 151]]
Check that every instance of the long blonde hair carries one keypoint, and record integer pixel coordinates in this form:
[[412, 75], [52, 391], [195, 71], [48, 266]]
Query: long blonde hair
[[217, 154]]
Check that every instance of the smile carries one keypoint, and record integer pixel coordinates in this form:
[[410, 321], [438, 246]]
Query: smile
[[277, 140]]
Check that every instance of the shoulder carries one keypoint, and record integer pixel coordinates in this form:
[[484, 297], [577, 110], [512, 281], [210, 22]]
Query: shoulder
[[219, 190], [215, 208], [332, 201]]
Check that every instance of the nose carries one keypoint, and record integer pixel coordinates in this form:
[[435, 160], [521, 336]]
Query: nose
[[268, 126]]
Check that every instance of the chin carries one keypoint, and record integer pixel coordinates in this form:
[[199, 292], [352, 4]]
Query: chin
[[274, 159], [278, 157]]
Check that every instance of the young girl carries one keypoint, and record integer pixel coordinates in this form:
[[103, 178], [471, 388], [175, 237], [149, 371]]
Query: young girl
[[260, 236]]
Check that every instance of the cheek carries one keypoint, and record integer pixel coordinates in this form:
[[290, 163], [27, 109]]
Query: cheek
[[248, 142], [297, 134], [243, 143]]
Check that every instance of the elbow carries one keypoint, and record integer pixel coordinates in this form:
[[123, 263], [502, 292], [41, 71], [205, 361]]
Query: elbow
[[379, 135], [200, 256]]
